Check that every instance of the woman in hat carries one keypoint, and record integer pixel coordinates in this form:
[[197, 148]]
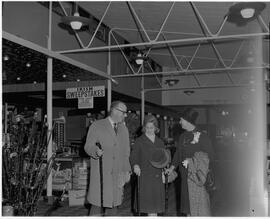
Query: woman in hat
[[147, 158], [192, 156]]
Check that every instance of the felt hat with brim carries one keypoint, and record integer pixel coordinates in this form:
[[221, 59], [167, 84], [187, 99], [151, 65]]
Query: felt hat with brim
[[190, 116], [160, 158]]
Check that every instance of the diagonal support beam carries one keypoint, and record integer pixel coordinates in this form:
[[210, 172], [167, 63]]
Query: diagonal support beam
[[124, 55], [174, 57], [194, 75], [262, 24], [99, 24], [207, 32], [203, 23], [52, 54], [137, 19], [95, 33], [160, 84], [193, 56], [165, 21], [237, 53], [221, 61]]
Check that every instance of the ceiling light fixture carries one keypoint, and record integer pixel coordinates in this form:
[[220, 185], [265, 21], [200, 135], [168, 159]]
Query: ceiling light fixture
[[242, 12], [78, 80], [75, 21], [247, 12], [189, 92], [114, 81], [140, 58], [250, 57], [28, 64], [171, 82], [64, 76], [6, 58], [18, 78]]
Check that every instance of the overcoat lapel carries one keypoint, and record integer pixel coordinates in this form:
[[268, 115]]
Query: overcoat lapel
[[109, 128], [148, 141]]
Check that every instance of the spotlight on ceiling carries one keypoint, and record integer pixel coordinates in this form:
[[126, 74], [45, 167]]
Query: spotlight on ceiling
[[247, 12], [75, 21], [6, 57], [114, 81], [139, 59], [189, 92], [242, 12], [250, 57], [171, 82]]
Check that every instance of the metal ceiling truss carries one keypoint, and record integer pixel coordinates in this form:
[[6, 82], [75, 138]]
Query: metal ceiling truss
[[147, 42], [95, 33]]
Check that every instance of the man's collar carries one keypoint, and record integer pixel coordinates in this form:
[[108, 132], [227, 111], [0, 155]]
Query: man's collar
[[111, 121]]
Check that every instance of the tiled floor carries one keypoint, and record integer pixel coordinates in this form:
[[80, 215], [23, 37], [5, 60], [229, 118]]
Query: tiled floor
[[231, 199], [124, 210]]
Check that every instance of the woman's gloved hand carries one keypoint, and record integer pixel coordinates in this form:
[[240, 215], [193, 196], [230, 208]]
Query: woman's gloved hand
[[137, 170]]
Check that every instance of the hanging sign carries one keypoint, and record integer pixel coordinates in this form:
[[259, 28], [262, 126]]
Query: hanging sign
[[85, 103], [85, 92]]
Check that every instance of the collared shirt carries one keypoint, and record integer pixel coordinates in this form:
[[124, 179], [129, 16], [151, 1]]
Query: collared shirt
[[111, 121]]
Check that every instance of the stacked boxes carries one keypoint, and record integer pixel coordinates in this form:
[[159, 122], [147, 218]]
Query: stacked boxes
[[80, 182], [61, 174], [80, 178]]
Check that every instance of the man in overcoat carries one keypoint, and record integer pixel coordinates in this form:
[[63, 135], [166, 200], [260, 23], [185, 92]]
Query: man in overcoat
[[112, 134]]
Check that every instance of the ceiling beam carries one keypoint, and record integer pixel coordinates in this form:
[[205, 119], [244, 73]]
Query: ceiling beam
[[30, 87], [52, 54], [195, 88], [157, 43], [197, 71]]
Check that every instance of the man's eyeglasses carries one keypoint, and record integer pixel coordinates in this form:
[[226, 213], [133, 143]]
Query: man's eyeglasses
[[124, 112]]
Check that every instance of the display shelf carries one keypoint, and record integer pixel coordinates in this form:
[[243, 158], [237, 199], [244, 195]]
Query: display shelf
[[70, 173]]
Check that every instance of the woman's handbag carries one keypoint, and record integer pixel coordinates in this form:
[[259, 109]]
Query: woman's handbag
[[208, 180], [210, 184]]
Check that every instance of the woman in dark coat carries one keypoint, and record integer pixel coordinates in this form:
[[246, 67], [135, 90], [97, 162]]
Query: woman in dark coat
[[194, 152], [152, 190]]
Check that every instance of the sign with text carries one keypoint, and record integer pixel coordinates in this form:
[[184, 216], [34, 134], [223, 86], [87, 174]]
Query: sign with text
[[85, 92], [85, 103]]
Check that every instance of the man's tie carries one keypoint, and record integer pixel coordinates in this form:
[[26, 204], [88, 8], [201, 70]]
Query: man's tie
[[115, 128]]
